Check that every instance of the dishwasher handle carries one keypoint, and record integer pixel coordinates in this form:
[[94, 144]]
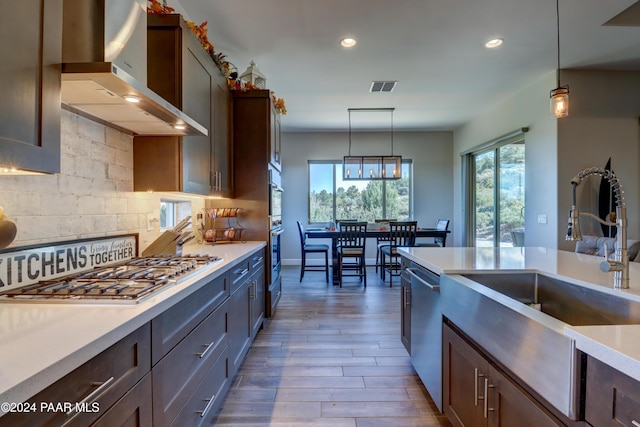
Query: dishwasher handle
[[432, 283]]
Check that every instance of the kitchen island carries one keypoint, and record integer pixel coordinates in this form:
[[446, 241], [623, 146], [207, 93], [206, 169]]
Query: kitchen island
[[613, 344], [44, 341]]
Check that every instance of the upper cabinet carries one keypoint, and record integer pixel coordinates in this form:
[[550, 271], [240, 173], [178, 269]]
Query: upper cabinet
[[257, 126], [182, 72], [31, 53]]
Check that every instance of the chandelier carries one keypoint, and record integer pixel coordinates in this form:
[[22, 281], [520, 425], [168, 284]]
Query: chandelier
[[371, 167]]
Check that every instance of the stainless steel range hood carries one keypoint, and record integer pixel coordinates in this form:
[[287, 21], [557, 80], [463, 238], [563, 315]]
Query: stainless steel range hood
[[104, 55]]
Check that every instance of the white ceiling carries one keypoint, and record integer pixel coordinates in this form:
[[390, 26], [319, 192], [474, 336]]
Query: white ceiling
[[433, 48]]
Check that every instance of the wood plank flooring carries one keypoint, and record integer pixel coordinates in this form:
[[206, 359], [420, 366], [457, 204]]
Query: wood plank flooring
[[330, 357]]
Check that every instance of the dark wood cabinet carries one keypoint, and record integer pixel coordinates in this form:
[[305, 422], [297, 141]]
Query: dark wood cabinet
[[612, 398], [275, 147], [405, 306], [477, 393], [182, 72], [179, 373], [246, 307], [170, 327], [133, 410], [256, 132], [31, 54], [222, 153], [101, 381], [256, 159]]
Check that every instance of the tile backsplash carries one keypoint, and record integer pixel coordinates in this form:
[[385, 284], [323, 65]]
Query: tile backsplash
[[93, 194]]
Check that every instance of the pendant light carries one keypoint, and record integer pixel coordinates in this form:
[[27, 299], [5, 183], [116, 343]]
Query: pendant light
[[371, 167], [559, 97]]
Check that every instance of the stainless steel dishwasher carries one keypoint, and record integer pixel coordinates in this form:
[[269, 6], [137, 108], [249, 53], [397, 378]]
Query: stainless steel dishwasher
[[426, 329]]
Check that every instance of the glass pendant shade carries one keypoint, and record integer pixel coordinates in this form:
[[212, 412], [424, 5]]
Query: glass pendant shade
[[352, 167], [392, 167], [559, 101]]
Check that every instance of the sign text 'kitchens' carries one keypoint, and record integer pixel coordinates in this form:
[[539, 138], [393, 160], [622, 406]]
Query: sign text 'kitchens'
[[24, 267]]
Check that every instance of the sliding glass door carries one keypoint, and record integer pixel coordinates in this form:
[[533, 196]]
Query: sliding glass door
[[498, 187]]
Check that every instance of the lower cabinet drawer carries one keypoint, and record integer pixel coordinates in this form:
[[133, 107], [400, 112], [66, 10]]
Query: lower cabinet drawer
[[203, 404], [134, 409], [170, 327], [91, 389], [180, 372], [612, 398]]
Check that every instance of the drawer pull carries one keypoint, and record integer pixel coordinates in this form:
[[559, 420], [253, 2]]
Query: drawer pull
[[242, 272], [89, 399], [635, 423], [206, 409], [207, 347]]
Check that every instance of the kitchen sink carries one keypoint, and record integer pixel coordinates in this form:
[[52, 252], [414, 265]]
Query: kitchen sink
[[572, 304], [519, 318]]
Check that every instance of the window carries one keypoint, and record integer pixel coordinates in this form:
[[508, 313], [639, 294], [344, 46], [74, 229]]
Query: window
[[496, 191], [330, 197], [173, 211]]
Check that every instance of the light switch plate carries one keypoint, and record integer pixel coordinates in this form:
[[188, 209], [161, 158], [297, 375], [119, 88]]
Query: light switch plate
[[542, 218]]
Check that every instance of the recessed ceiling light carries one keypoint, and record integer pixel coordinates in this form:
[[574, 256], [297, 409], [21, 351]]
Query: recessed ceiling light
[[494, 43], [348, 42], [179, 126], [131, 98]]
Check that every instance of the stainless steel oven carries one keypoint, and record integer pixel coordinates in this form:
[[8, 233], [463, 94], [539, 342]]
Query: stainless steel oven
[[275, 199], [276, 256]]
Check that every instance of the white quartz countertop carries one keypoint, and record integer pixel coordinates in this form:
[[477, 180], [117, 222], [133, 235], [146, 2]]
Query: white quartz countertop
[[41, 342], [615, 345]]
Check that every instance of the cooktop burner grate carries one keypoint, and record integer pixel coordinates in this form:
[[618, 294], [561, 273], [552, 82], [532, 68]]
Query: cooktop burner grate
[[131, 280]]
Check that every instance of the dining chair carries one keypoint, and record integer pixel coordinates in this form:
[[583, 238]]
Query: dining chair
[[381, 240], [307, 248], [352, 239], [441, 225], [401, 233]]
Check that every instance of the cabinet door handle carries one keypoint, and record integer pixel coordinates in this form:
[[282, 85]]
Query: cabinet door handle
[[89, 398], [405, 297], [635, 423], [487, 386], [477, 375], [255, 290], [251, 291], [207, 347], [206, 409]]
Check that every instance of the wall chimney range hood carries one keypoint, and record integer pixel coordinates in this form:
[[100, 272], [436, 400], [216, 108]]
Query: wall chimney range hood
[[104, 69]]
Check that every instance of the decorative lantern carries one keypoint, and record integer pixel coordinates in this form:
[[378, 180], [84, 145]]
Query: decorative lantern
[[253, 75]]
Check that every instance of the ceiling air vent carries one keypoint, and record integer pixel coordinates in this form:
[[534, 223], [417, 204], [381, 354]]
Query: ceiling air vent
[[382, 86]]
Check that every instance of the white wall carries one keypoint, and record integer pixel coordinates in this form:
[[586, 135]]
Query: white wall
[[92, 195], [529, 108], [431, 153], [603, 123]]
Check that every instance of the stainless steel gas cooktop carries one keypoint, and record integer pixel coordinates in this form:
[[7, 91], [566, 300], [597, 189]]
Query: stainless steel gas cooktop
[[130, 281]]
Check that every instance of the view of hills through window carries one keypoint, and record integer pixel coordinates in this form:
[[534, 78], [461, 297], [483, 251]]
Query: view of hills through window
[[331, 197], [499, 206]]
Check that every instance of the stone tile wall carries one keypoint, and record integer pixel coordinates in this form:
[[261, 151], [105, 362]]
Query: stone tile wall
[[92, 195]]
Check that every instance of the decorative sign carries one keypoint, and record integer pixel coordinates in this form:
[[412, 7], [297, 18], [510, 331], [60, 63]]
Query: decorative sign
[[22, 267]]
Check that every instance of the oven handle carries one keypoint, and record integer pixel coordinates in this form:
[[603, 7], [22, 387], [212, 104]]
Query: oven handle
[[277, 232]]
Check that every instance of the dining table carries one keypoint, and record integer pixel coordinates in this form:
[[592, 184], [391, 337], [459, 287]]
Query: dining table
[[334, 234]]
